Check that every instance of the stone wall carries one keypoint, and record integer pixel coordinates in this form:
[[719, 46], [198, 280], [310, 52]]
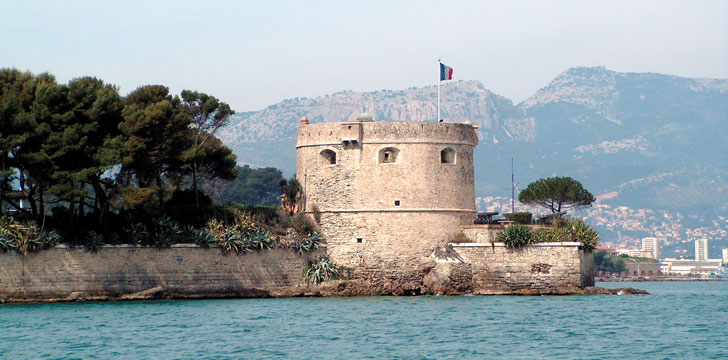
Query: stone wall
[[547, 268], [180, 271]]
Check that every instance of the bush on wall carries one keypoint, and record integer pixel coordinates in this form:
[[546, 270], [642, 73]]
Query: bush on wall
[[515, 236], [519, 217]]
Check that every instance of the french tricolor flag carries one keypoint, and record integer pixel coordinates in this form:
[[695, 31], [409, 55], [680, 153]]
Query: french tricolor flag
[[445, 72]]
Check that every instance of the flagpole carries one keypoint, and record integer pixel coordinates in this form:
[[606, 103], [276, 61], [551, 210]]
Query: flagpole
[[439, 80]]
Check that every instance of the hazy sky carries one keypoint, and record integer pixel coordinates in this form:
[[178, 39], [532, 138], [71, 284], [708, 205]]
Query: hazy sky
[[255, 53]]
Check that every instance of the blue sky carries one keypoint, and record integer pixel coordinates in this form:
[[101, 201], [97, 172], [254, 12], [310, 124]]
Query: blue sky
[[253, 54]]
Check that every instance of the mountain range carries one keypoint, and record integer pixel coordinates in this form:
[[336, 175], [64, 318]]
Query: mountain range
[[653, 148]]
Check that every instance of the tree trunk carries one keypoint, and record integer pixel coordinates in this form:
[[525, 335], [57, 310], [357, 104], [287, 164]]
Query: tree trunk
[[3, 181], [194, 183], [41, 205], [160, 191]]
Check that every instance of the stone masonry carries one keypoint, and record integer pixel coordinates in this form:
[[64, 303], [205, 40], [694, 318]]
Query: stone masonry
[[389, 193], [183, 271]]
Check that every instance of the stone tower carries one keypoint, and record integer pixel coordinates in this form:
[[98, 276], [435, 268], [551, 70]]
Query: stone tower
[[388, 193]]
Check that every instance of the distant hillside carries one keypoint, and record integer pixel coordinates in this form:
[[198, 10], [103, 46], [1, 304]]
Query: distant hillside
[[650, 141]]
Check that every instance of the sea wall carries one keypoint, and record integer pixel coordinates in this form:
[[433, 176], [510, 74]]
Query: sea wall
[[187, 271], [183, 271], [546, 268]]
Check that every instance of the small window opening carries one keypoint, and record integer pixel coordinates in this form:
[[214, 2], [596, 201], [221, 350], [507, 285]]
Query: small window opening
[[359, 240], [388, 155], [447, 156], [329, 157], [396, 202], [349, 127]]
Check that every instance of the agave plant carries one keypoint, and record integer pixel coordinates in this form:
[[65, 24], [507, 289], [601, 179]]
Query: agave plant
[[549, 235], [320, 270], [232, 241], [515, 236], [216, 228], [260, 240], [201, 237], [94, 242], [167, 232], [583, 233], [307, 243], [7, 241]]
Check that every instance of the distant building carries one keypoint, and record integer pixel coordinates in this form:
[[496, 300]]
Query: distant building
[[688, 267], [643, 269], [650, 248], [701, 249], [725, 257]]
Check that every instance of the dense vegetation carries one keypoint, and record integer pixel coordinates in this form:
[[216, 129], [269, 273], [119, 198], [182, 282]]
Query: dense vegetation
[[515, 236], [82, 165], [607, 264]]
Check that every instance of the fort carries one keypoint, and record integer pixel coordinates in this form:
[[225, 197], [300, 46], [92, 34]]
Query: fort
[[395, 202], [392, 197]]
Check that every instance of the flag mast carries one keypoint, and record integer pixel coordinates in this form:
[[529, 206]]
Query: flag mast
[[439, 80]]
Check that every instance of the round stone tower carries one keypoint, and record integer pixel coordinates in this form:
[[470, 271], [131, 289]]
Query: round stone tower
[[388, 193]]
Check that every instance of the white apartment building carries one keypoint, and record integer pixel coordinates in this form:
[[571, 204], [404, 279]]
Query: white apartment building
[[650, 248], [701, 249], [725, 257]]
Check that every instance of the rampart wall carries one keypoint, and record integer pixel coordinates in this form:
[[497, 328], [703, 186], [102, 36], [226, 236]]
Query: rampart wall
[[187, 271], [546, 268], [184, 271]]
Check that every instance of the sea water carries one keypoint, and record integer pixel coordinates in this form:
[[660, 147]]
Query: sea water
[[679, 320]]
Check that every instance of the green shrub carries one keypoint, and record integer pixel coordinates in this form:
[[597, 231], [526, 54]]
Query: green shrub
[[519, 217], [549, 235], [302, 223], [316, 213], [515, 236], [262, 214], [25, 237], [580, 231], [320, 270]]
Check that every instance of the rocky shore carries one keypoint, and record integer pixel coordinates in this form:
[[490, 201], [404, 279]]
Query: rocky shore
[[340, 288]]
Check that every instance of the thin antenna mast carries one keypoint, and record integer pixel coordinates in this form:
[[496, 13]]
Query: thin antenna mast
[[513, 190]]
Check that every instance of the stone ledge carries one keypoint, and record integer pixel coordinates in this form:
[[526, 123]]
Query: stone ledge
[[394, 210], [500, 244]]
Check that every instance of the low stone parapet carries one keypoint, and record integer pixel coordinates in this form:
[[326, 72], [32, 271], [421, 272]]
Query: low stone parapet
[[545, 268]]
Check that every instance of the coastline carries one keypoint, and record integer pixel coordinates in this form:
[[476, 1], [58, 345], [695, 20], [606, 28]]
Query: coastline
[[335, 288]]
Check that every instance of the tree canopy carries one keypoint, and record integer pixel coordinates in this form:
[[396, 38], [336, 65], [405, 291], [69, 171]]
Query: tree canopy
[[556, 194], [251, 187], [86, 149]]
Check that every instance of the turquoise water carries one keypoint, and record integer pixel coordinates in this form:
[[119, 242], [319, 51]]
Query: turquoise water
[[686, 320]]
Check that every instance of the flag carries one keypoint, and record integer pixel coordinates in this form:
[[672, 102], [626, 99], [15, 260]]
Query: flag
[[445, 72]]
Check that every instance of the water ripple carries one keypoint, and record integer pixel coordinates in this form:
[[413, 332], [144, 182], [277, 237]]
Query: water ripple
[[678, 321]]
